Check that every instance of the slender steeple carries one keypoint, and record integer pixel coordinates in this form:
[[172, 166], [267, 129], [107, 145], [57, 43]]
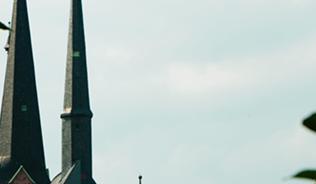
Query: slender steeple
[[20, 129], [76, 115]]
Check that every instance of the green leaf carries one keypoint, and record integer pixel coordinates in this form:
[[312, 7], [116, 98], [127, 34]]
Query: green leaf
[[309, 174], [310, 122], [2, 26]]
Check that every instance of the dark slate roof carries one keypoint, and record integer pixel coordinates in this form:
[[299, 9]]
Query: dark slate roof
[[76, 111], [20, 128], [76, 96]]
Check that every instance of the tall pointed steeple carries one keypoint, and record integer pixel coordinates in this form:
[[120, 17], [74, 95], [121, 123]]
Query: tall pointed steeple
[[76, 115], [20, 129]]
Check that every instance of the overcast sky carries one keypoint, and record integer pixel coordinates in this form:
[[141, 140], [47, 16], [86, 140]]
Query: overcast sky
[[183, 91]]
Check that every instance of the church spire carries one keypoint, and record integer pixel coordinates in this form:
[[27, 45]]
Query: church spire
[[20, 129], [76, 115]]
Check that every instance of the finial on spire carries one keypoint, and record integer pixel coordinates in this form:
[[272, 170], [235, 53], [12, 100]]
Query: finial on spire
[[6, 47], [140, 179]]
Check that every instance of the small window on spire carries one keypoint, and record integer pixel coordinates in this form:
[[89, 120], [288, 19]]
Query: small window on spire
[[77, 127], [76, 54], [23, 108]]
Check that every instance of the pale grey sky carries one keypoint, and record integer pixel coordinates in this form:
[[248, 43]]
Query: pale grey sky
[[204, 91]]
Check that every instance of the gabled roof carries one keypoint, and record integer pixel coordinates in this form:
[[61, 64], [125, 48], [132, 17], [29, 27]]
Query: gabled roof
[[18, 171], [73, 175]]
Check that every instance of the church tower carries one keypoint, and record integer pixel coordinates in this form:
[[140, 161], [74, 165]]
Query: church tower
[[21, 146], [76, 115]]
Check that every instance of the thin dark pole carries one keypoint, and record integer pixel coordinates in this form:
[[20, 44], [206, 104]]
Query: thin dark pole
[[140, 179]]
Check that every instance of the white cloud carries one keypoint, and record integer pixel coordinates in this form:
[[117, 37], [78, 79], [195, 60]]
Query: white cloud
[[118, 53], [273, 2], [195, 78], [258, 72], [299, 2]]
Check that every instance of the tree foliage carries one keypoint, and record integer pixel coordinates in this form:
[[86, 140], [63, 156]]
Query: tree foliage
[[308, 174], [310, 123], [3, 26]]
